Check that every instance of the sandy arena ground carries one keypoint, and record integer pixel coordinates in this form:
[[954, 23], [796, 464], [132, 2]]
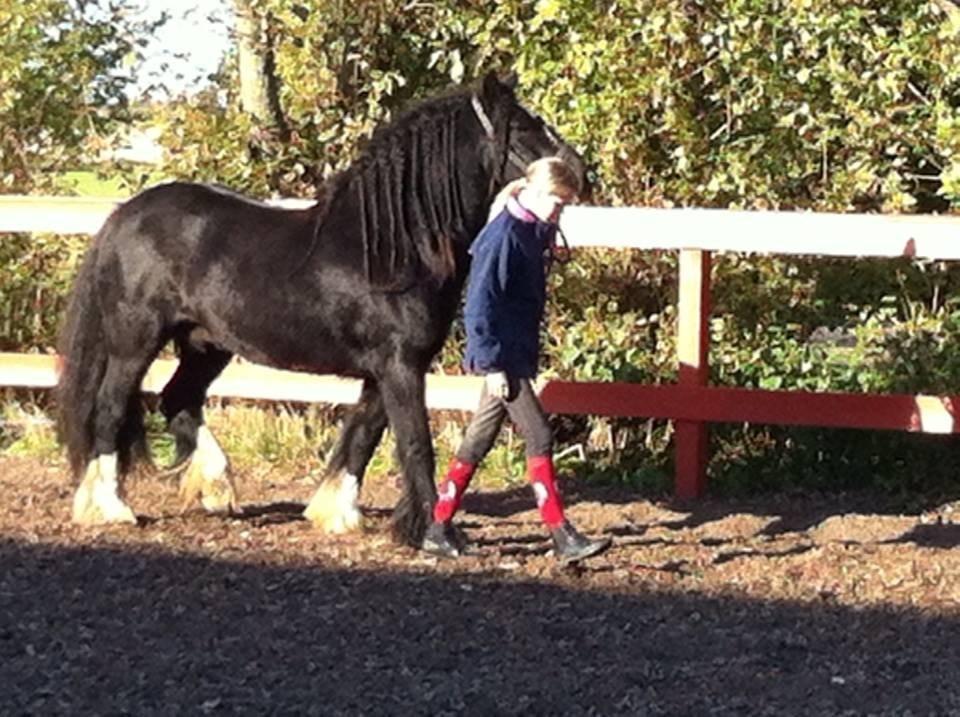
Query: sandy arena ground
[[780, 606]]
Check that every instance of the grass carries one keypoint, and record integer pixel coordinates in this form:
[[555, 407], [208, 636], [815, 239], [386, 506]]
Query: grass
[[298, 440], [290, 437], [85, 183], [26, 431], [90, 183]]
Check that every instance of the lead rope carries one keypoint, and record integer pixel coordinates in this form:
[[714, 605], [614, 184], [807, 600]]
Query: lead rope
[[562, 256]]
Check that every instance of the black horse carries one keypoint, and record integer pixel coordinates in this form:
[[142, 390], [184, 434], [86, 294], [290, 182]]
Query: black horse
[[364, 283]]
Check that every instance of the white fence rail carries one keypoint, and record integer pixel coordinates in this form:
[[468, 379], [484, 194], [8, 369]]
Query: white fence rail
[[824, 234], [696, 233], [609, 227]]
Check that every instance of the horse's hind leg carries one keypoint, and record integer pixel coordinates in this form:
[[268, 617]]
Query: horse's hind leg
[[333, 507], [98, 498], [207, 475]]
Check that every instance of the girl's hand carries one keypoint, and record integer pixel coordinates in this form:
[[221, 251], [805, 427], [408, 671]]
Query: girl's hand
[[497, 384]]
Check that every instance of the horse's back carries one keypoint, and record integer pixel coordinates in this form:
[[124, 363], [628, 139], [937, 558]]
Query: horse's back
[[181, 246], [187, 211], [187, 227]]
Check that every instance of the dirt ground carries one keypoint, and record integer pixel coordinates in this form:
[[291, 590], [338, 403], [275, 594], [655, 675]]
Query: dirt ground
[[781, 606]]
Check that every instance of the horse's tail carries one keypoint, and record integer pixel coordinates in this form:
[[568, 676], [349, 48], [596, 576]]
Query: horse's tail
[[83, 362]]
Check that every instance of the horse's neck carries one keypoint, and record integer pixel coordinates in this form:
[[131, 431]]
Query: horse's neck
[[477, 191], [469, 185]]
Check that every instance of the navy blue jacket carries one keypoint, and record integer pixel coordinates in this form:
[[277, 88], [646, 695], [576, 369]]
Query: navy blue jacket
[[506, 293]]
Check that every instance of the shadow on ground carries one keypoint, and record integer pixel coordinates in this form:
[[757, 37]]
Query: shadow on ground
[[99, 631], [791, 513]]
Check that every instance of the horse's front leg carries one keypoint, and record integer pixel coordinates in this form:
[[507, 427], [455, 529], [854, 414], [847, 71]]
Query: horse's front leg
[[403, 391], [333, 507]]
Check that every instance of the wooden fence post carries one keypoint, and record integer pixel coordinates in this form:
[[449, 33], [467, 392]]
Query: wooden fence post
[[693, 347]]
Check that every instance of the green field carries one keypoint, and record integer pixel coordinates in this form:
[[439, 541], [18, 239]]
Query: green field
[[88, 183]]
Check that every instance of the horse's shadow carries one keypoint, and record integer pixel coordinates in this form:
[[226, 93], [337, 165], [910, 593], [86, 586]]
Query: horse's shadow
[[281, 512], [276, 512], [788, 513], [526, 545], [935, 535]]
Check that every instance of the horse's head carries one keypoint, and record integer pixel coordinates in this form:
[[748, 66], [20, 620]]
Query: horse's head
[[516, 136], [421, 188]]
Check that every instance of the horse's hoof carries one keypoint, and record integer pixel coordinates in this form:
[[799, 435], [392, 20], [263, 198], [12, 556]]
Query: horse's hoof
[[220, 499], [207, 479], [88, 514], [97, 500], [333, 508], [216, 496], [220, 505], [351, 520]]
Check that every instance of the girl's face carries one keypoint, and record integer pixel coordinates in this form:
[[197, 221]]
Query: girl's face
[[558, 199], [545, 205], [549, 198]]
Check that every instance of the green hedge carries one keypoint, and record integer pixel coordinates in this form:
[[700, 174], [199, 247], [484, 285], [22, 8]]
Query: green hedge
[[799, 104]]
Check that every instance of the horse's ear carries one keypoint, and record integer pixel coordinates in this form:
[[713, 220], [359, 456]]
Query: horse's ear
[[491, 86], [494, 89]]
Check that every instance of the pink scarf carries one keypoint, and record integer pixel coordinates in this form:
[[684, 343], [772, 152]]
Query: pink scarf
[[518, 211]]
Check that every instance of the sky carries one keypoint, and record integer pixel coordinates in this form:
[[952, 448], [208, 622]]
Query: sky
[[188, 47]]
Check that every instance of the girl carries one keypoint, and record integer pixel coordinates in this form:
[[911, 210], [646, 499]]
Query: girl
[[506, 292]]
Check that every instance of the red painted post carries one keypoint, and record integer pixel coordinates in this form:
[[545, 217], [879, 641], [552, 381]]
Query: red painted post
[[693, 346]]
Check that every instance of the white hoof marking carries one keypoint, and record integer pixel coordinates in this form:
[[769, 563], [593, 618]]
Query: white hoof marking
[[207, 478], [97, 500], [333, 507]]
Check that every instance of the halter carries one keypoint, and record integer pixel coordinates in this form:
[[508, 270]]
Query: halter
[[482, 116], [491, 133], [555, 253]]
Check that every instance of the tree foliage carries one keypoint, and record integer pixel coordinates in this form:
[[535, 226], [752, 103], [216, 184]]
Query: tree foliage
[[784, 104], [733, 103], [64, 68], [63, 71]]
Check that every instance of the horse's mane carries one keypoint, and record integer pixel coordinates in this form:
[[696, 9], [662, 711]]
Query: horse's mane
[[408, 198]]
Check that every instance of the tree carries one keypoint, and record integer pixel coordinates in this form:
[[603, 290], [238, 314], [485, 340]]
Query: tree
[[62, 80], [62, 91], [259, 84]]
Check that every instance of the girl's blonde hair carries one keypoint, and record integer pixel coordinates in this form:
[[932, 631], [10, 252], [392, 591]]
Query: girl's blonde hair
[[550, 175]]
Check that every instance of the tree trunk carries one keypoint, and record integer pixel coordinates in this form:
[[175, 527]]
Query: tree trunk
[[259, 84]]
